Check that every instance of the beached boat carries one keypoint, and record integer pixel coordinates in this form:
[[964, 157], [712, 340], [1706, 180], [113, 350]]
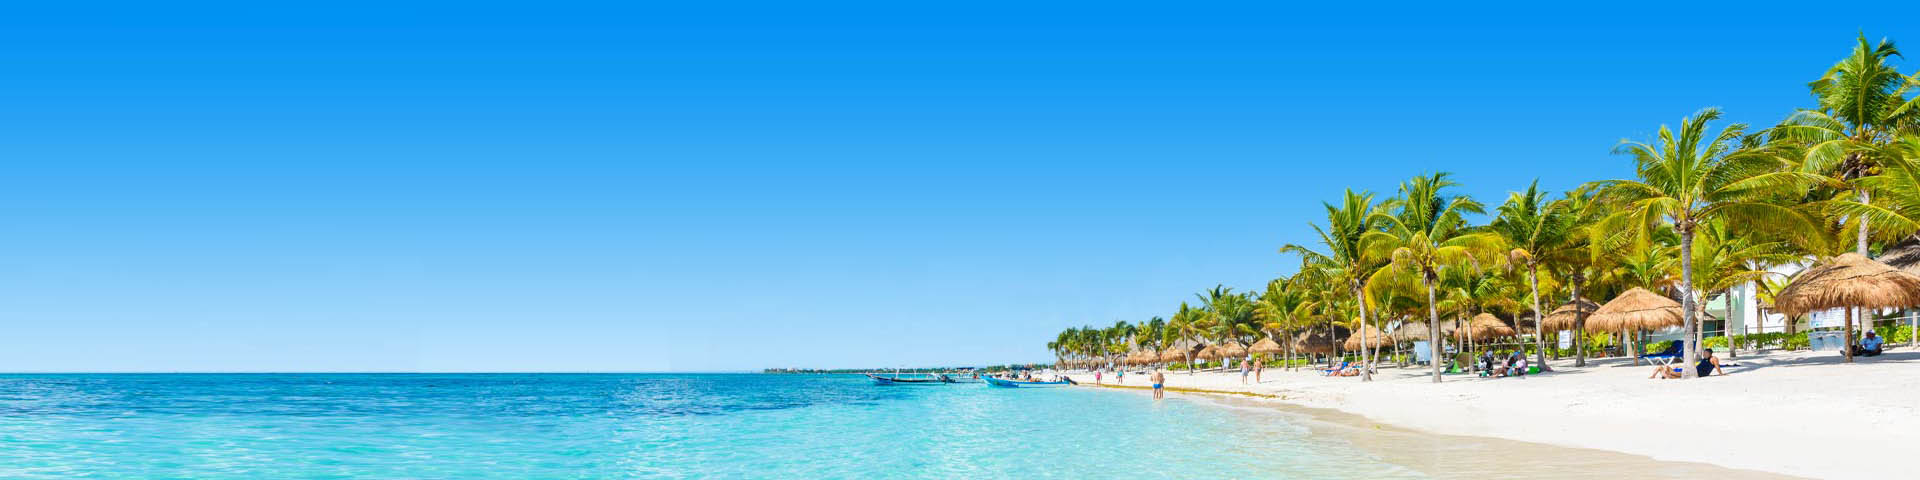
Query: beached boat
[[921, 379], [1004, 383]]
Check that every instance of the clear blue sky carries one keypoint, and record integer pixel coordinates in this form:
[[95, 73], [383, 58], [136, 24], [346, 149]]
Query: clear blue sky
[[624, 186]]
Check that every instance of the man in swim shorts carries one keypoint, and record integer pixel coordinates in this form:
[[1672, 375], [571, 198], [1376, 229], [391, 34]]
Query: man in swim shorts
[[1158, 380]]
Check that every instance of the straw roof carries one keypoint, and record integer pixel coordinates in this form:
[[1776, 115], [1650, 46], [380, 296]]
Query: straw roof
[[1179, 351], [1417, 331], [1373, 335], [1849, 280], [1485, 325], [1233, 350], [1637, 309], [1313, 342], [1266, 346], [1563, 318], [1212, 352]]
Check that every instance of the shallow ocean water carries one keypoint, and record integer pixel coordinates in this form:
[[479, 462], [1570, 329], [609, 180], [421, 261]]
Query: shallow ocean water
[[634, 426]]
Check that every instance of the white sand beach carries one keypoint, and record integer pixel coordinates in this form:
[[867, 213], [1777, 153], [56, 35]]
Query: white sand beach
[[1795, 413]]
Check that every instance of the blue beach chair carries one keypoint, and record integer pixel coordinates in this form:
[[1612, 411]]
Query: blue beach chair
[[1343, 366], [1673, 353]]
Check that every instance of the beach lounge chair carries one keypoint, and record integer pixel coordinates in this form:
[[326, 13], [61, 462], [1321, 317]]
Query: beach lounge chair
[[1330, 372], [1673, 353]]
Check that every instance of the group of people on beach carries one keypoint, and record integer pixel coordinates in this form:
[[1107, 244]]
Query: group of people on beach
[[1515, 364]]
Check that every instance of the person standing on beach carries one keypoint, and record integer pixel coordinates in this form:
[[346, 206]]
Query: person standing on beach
[[1257, 369], [1244, 370], [1159, 379]]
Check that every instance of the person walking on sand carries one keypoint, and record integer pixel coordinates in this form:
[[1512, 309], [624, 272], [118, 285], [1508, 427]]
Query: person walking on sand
[[1257, 368], [1244, 370], [1159, 379]]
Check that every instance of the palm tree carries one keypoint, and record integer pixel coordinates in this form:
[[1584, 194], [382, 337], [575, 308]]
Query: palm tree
[[1187, 324], [1576, 261], [1862, 104], [1897, 190], [1426, 234], [1346, 261], [1689, 178], [1152, 335], [1536, 230], [1230, 316], [1280, 310], [1724, 259]]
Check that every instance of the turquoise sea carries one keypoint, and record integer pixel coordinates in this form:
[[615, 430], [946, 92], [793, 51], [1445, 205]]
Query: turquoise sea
[[628, 426], [215, 426]]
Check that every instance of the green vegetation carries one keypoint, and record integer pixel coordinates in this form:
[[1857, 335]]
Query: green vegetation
[[1711, 207]]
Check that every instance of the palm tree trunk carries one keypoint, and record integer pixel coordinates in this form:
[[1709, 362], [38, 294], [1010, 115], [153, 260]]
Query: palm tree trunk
[[1539, 331], [1433, 326], [1626, 346], [1860, 244], [1579, 326], [1848, 349], [1727, 298], [1700, 311], [1287, 347], [1366, 372], [1691, 352], [1337, 354]]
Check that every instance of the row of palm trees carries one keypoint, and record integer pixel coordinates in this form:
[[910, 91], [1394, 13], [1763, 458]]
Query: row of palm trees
[[1707, 211]]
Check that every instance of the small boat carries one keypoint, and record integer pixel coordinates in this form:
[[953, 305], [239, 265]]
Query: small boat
[[896, 379], [1004, 383]]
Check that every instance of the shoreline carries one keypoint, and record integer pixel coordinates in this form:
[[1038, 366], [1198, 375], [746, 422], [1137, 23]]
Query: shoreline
[[1788, 413]]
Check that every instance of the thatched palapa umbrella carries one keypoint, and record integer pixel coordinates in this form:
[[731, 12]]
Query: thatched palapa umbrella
[[1212, 352], [1266, 346], [1563, 318], [1233, 350], [1374, 338], [1485, 325], [1637, 309], [1417, 331], [1313, 342], [1852, 282]]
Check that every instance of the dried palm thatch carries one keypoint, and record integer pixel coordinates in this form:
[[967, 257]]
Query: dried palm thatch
[[1417, 331], [1485, 325], [1374, 338], [1212, 352], [1637, 309], [1313, 342], [1180, 351], [1232, 350], [1849, 280], [1266, 346], [1563, 318]]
